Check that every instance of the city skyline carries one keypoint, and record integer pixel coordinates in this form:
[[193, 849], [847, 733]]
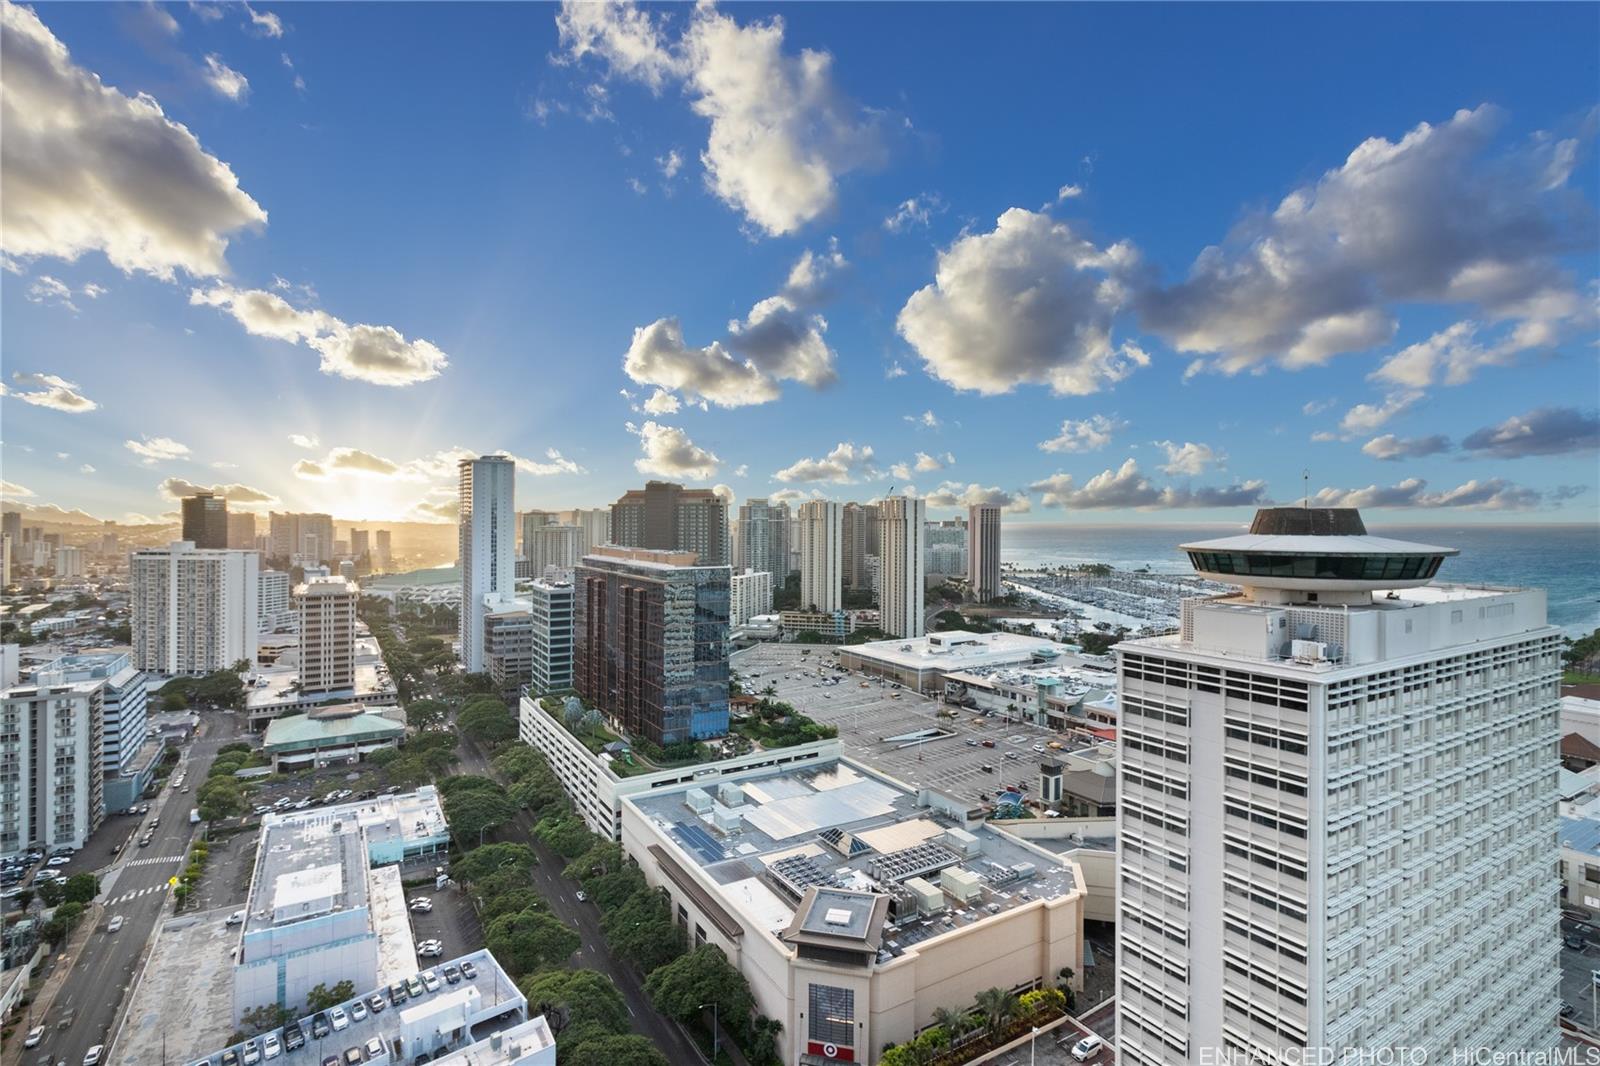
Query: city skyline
[[1175, 303]]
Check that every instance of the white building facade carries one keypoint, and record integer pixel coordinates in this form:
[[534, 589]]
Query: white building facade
[[51, 751], [195, 610], [818, 524], [488, 539], [550, 603], [327, 612], [749, 594], [1336, 814], [900, 565], [274, 607]]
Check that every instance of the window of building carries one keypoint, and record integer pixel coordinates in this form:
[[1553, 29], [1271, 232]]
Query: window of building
[[833, 1015]]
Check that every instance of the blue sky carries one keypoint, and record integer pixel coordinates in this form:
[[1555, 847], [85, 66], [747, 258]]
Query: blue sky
[[1099, 263]]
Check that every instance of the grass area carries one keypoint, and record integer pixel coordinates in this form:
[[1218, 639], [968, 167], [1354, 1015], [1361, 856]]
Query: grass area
[[1578, 677]]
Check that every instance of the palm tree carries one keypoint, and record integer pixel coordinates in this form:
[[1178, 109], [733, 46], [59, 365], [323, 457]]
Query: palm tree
[[952, 1020], [997, 1007]]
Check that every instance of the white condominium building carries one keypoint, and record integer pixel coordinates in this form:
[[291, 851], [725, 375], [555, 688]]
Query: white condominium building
[[274, 606], [195, 610], [1336, 814], [51, 782], [551, 605], [488, 547], [749, 594], [983, 551], [595, 522], [552, 545], [69, 562], [821, 562], [327, 611], [900, 565]]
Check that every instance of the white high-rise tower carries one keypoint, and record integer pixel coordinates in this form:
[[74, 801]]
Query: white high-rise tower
[[1336, 808], [820, 559], [488, 547], [900, 581]]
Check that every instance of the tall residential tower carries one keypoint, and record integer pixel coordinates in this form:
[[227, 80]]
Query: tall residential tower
[[983, 551], [900, 534], [488, 541], [818, 525], [1336, 812]]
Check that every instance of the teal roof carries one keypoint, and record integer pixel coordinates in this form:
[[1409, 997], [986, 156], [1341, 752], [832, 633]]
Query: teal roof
[[301, 731]]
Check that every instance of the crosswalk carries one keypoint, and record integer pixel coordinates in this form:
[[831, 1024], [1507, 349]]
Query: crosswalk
[[126, 896], [154, 860]]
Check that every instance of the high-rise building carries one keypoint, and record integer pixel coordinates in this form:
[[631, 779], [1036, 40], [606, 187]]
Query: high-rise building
[[205, 520], [360, 545], [780, 521], [327, 610], [69, 562], [900, 563], [309, 536], [5, 559], [11, 526], [650, 631], [124, 714], [488, 535], [383, 550], [52, 791], [595, 522], [945, 548], [983, 551], [818, 526], [550, 603], [110, 544], [549, 546], [531, 521], [859, 541], [274, 604], [755, 537], [194, 609], [749, 594], [668, 517], [508, 643], [1337, 807], [241, 530]]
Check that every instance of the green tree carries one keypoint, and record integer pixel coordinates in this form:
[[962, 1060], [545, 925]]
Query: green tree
[[488, 721], [568, 836], [51, 893], [997, 1007], [427, 714], [624, 1050], [481, 862], [679, 988], [261, 1019], [82, 888], [641, 929], [508, 901], [473, 813], [585, 1004], [529, 941], [322, 997]]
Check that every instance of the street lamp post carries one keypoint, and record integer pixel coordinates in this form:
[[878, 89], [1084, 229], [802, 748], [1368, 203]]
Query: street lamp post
[[1033, 1043], [715, 1029]]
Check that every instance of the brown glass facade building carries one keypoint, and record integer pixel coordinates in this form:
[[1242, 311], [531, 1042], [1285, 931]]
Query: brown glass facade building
[[668, 517], [650, 642], [205, 520]]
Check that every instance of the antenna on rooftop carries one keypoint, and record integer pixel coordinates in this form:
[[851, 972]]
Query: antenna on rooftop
[[1305, 477]]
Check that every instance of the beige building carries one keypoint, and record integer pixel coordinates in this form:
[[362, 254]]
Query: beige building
[[853, 905], [327, 609]]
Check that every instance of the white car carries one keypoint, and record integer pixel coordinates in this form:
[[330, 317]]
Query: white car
[[339, 1019], [35, 1035], [1087, 1048], [236, 918], [271, 1046], [422, 905], [430, 981], [252, 1054], [116, 923], [92, 1056], [358, 1011], [430, 949], [59, 860]]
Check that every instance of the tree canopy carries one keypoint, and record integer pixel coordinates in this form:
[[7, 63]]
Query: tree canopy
[[703, 976], [488, 720], [529, 941]]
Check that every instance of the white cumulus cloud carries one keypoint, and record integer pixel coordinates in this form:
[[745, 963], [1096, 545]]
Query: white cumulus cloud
[[668, 452], [1084, 435], [48, 390], [225, 80], [845, 464], [157, 449]]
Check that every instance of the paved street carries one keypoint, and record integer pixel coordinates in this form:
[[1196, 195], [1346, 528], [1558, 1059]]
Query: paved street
[[134, 886], [585, 918]]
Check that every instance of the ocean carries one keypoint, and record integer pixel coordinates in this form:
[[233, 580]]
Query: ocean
[[1564, 560]]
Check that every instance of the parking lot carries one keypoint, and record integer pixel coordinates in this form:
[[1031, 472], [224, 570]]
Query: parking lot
[[868, 711], [451, 921], [1577, 970]]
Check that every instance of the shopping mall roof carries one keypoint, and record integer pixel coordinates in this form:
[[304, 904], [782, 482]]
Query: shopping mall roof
[[303, 731]]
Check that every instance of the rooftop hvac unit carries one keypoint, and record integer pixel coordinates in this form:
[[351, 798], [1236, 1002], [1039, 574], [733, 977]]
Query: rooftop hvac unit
[[727, 820], [1310, 650], [698, 799], [960, 884], [962, 842], [1024, 870], [731, 794], [928, 898]]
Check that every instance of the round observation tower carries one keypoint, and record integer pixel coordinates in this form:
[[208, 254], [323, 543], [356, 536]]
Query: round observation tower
[[1314, 555]]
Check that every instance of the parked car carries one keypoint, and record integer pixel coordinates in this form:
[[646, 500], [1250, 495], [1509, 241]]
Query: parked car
[[236, 918], [414, 986], [293, 1038], [397, 993], [352, 1056], [60, 860], [252, 1053], [319, 1027], [92, 1056], [430, 949], [375, 1003], [330, 1060], [339, 1019], [430, 981], [469, 971], [35, 1035], [452, 973], [358, 1010], [1087, 1048], [1575, 941], [271, 1046], [422, 905], [374, 1048]]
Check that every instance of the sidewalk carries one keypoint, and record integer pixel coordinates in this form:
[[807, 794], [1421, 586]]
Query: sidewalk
[[60, 966]]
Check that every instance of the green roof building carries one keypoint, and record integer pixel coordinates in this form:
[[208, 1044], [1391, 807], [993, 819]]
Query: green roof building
[[343, 733]]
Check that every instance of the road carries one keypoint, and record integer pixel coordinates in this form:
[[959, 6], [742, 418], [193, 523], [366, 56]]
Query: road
[[134, 885], [585, 918]]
